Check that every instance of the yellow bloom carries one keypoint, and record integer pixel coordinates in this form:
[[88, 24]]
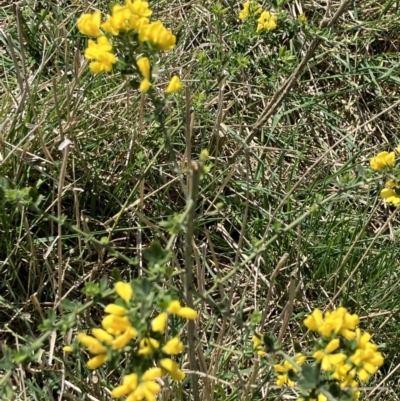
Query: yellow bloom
[[257, 344], [159, 322], [148, 345], [129, 384], [152, 374], [118, 21], [383, 160], [114, 309], [138, 389], [68, 348], [314, 321], [124, 338], [145, 85], [172, 368], [100, 51], [144, 67], [124, 291], [157, 35], [174, 85], [176, 309], [266, 21], [329, 360], [173, 346], [366, 358], [96, 362], [102, 335], [114, 324], [89, 24], [390, 195], [245, 12], [338, 321], [283, 378], [139, 8], [93, 345]]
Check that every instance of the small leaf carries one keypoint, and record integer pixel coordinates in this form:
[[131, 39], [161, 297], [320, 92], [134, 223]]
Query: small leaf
[[297, 347], [309, 378], [155, 254], [269, 343], [91, 289]]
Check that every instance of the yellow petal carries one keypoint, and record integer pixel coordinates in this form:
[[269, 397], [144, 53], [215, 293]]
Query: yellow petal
[[174, 85], [96, 362], [115, 310], [158, 323], [124, 291]]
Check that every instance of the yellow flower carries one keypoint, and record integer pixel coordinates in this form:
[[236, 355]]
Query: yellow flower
[[123, 339], [283, 378], [138, 389], [172, 368], [139, 8], [159, 322], [114, 309], [173, 346], [390, 195], [129, 384], [257, 346], [144, 67], [338, 321], [102, 335], [152, 374], [145, 85], [89, 24], [314, 321], [100, 51], [68, 348], [115, 325], [157, 35], [329, 360], [124, 291], [366, 358], [176, 309], [148, 345], [96, 362], [383, 160], [118, 21], [174, 85], [245, 12], [285, 368], [93, 345], [266, 21]]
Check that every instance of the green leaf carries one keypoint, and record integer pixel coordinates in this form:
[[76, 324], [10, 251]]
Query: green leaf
[[297, 347], [91, 289], [269, 343], [310, 376], [141, 288], [156, 255]]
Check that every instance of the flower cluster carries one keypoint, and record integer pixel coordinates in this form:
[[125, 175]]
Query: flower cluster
[[147, 344], [385, 162], [343, 355], [132, 29], [266, 20]]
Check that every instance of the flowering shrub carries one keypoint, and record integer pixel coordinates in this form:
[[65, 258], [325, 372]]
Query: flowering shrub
[[128, 329], [385, 162], [343, 357], [127, 31]]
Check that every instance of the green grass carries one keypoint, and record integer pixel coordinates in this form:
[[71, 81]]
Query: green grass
[[342, 109]]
